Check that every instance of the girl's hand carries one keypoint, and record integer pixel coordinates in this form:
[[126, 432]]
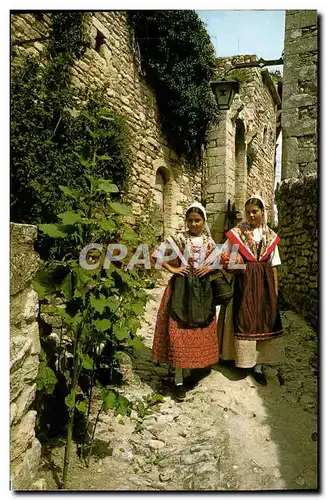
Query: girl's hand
[[183, 271], [202, 271]]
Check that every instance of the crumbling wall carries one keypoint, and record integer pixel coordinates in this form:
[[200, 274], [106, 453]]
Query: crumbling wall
[[24, 356], [299, 108], [298, 229], [297, 195]]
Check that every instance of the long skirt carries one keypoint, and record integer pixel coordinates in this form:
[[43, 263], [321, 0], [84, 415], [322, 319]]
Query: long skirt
[[183, 347], [250, 326]]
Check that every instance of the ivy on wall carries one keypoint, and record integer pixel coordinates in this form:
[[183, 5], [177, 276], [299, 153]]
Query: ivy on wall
[[48, 128], [178, 61]]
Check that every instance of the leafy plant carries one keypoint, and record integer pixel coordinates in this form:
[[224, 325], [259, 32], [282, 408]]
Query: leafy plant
[[102, 304], [149, 405], [178, 61]]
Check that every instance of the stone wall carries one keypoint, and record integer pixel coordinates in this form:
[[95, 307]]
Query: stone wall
[[114, 65], [297, 196], [298, 229], [24, 356], [299, 110], [247, 131]]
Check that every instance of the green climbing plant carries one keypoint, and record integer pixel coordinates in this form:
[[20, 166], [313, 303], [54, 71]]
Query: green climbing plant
[[98, 307], [178, 61]]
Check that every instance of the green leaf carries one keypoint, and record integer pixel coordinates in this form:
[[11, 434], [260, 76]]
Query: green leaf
[[53, 230], [129, 235], [46, 378], [87, 362], [93, 181], [73, 193], [108, 225], [120, 208], [120, 332], [40, 289], [89, 221], [119, 355], [122, 405], [137, 344], [70, 218], [109, 400], [140, 407], [137, 307], [83, 281], [81, 406], [77, 319], [44, 282], [70, 399], [102, 324], [98, 304], [83, 161], [156, 398], [113, 304], [107, 186], [67, 287], [103, 157], [133, 324]]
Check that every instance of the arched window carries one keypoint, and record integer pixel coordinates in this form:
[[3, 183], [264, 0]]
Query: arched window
[[159, 189]]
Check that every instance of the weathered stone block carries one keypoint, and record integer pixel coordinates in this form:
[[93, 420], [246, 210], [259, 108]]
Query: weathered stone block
[[22, 435], [304, 44], [24, 376], [307, 155], [300, 19], [24, 261], [22, 475], [20, 348], [24, 307], [24, 402]]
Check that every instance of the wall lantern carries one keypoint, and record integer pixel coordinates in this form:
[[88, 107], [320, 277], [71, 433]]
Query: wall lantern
[[224, 91]]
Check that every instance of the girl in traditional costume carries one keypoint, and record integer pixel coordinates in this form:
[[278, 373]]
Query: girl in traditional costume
[[185, 335], [250, 326]]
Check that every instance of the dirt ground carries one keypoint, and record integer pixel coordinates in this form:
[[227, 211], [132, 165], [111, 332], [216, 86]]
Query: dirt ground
[[228, 434]]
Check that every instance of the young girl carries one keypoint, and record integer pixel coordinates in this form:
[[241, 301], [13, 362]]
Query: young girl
[[179, 346], [252, 326]]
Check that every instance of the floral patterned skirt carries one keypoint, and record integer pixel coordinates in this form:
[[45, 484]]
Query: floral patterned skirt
[[183, 347]]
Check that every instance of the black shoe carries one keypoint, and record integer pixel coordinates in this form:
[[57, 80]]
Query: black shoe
[[259, 377], [179, 392], [195, 376], [190, 382]]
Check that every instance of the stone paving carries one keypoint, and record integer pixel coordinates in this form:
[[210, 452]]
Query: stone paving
[[228, 434]]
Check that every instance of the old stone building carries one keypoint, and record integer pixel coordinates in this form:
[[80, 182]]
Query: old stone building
[[114, 65], [240, 153], [241, 150], [297, 195]]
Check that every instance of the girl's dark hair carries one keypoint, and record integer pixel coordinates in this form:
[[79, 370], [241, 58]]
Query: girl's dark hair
[[256, 202], [195, 210]]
